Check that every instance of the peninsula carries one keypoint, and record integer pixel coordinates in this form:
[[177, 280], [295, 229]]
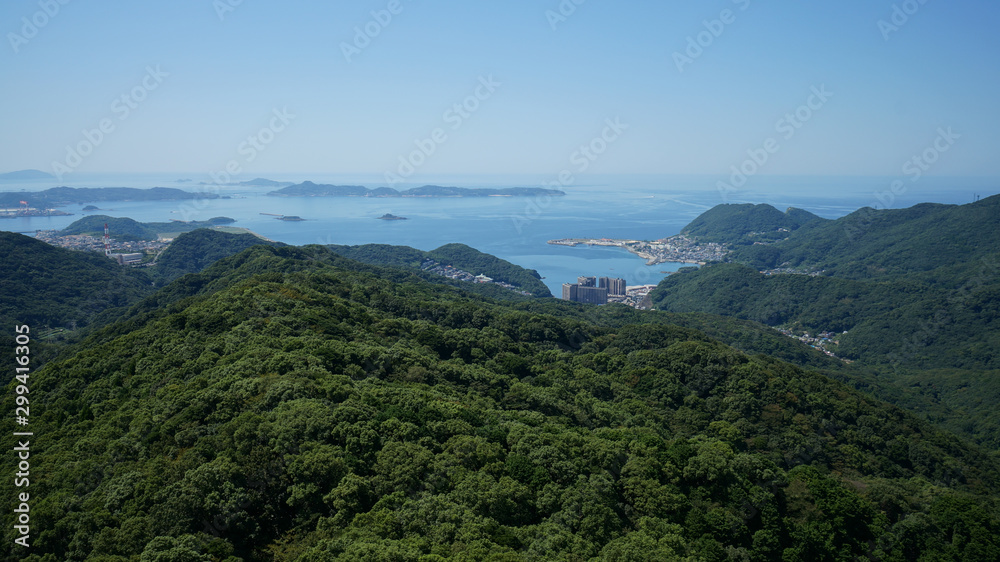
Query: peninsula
[[676, 249]]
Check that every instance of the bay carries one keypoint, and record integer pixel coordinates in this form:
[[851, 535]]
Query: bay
[[513, 228]]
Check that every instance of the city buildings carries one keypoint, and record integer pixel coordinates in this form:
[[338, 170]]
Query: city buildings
[[593, 290]]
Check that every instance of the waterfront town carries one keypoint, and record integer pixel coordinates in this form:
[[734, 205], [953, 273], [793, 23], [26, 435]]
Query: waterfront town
[[96, 243], [677, 249], [452, 272], [26, 211]]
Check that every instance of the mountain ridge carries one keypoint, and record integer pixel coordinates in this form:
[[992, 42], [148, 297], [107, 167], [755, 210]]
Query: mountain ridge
[[308, 409]]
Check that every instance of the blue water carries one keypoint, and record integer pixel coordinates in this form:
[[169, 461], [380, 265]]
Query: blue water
[[515, 229]]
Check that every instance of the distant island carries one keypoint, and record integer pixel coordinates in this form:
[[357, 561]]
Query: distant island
[[290, 218], [126, 229], [60, 196], [391, 217], [27, 175], [257, 182], [91, 208], [310, 189]]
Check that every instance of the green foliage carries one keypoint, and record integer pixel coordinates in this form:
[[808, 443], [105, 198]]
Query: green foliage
[[290, 404], [917, 290], [476, 262], [119, 228], [747, 224], [49, 287], [193, 251], [129, 229], [459, 255]]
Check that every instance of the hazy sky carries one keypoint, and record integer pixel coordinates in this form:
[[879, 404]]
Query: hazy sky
[[853, 87]]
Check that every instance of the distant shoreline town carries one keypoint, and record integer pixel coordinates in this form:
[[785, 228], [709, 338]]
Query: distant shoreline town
[[676, 249]]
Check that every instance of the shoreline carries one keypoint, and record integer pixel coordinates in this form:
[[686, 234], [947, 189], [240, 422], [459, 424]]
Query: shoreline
[[643, 248]]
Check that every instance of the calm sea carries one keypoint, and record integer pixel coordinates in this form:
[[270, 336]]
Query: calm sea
[[515, 229]]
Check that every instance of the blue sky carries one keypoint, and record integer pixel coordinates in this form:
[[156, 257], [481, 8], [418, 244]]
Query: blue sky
[[203, 77]]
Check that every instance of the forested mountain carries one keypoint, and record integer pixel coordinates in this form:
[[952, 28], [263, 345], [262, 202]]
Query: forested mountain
[[125, 228], [193, 251], [291, 404], [893, 243], [917, 290], [51, 287], [747, 223]]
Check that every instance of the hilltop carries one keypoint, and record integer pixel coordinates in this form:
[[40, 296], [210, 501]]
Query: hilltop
[[915, 289], [747, 223], [193, 251], [289, 403], [129, 229], [50, 287], [458, 255]]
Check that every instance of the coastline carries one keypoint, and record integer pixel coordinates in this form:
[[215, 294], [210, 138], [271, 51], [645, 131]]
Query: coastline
[[675, 249]]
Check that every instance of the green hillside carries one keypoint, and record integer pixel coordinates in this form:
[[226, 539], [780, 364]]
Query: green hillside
[[51, 287], [119, 228], [747, 224], [193, 251], [458, 255], [917, 290], [129, 229], [893, 243], [289, 404]]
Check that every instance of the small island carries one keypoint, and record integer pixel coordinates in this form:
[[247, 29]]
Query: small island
[[291, 218], [91, 208], [27, 175], [391, 217]]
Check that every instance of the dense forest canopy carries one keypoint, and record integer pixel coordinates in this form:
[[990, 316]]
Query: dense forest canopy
[[47, 286], [740, 224], [193, 251], [917, 290], [291, 404]]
